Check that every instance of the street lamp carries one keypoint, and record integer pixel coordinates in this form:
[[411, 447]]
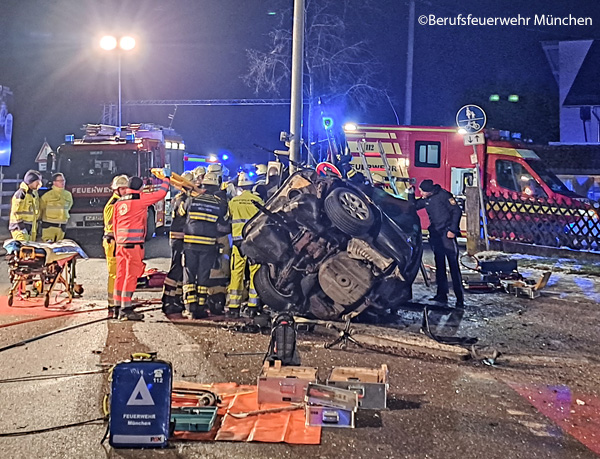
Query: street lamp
[[108, 43]]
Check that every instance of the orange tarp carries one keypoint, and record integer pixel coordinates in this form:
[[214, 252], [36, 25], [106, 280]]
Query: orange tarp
[[282, 427]]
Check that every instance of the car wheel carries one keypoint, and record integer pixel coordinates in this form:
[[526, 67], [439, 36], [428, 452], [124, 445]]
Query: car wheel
[[349, 212], [151, 227], [267, 291]]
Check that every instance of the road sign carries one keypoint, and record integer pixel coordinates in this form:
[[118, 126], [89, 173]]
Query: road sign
[[474, 139], [471, 118]]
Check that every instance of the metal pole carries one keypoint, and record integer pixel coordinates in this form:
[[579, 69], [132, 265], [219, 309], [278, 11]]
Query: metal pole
[[297, 73], [1, 189], [119, 71], [481, 201], [409, 65]]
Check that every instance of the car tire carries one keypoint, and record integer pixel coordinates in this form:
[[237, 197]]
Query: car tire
[[349, 212], [151, 226], [267, 292]]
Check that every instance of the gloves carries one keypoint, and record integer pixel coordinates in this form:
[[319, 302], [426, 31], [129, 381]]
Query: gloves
[[167, 171]]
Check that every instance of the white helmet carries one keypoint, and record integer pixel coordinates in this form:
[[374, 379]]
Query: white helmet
[[210, 179], [188, 175], [199, 172], [261, 169], [244, 179], [120, 181], [378, 179], [215, 168]]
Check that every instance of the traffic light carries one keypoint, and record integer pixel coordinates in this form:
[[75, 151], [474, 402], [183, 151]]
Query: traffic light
[[327, 122]]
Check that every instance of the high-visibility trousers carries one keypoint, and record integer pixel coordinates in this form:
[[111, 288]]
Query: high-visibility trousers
[[235, 290], [173, 287], [111, 263], [196, 272], [130, 267], [52, 234]]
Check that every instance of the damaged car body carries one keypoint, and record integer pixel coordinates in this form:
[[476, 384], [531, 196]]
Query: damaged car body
[[328, 247]]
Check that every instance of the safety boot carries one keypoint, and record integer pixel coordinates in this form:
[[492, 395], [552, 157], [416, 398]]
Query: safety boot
[[233, 313], [130, 315]]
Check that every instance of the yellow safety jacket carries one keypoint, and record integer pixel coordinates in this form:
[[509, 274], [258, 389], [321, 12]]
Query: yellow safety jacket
[[55, 205], [109, 210], [242, 209], [24, 209]]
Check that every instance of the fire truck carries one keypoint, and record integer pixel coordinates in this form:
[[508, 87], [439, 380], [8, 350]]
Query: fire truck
[[90, 163]]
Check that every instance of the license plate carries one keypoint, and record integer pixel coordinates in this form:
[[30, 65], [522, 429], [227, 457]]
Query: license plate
[[92, 218]]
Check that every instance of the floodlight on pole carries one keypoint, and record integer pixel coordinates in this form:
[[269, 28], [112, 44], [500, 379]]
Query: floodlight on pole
[[125, 43]]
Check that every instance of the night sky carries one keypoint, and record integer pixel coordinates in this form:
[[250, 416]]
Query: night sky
[[195, 49]]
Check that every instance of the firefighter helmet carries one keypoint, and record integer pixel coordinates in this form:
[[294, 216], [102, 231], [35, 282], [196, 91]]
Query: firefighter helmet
[[120, 181], [261, 169], [199, 172], [188, 175], [378, 179], [244, 179], [210, 179], [215, 169]]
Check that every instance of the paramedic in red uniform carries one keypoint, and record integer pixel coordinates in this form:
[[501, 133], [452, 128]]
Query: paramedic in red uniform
[[444, 217], [129, 226]]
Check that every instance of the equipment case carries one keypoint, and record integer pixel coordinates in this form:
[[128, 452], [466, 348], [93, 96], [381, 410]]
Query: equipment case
[[371, 385], [278, 384]]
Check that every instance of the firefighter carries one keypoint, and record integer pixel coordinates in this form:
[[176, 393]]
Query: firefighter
[[241, 209], [261, 173], [205, 222], [25, 208], [54, 208], [173, 289], [198, 174], [444, 217], [130, 222], [119, 186]]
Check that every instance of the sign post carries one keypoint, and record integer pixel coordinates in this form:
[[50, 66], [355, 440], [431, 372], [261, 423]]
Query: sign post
[[471, 120]]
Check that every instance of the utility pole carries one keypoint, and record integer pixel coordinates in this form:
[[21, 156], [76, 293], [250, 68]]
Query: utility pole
[[409, 65], [297, 74]]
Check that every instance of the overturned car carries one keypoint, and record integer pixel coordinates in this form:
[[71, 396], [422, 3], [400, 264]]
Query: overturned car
[[328, 247]]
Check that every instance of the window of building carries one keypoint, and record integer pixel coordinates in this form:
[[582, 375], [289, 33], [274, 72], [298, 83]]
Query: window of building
[[427, 154]]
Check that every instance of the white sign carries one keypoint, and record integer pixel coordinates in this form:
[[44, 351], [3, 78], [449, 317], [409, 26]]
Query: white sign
[[42, 155], [141, 394], [474, 139]]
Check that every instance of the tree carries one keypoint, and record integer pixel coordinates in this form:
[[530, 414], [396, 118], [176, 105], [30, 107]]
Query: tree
[[339, 68]]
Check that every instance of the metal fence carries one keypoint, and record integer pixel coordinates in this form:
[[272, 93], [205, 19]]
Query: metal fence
[[563, 222], [7, 189]]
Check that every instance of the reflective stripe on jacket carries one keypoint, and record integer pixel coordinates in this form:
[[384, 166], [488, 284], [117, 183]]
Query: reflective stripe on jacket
[[177, 220], [204, 214], [130, 218], [109, 209], [242, 209], [55, 205], [24, 209]]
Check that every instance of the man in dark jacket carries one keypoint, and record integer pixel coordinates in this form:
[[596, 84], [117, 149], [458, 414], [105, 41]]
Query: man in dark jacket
[[444, 217]]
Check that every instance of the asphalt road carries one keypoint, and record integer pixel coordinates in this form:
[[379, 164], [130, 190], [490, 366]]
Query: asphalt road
[[439, 407]]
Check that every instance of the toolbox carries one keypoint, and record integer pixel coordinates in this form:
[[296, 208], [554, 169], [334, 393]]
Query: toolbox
[[140, 402], [328, 416], [278, 384], [194, 419], [329, 406], [371, 385]]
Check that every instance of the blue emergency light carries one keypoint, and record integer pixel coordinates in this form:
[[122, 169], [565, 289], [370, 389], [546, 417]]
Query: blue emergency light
[[69, 138]]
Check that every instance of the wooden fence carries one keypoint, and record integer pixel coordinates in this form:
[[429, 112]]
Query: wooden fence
[[563, 222]]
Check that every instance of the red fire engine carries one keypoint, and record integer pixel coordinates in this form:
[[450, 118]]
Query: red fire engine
[[90, 163]]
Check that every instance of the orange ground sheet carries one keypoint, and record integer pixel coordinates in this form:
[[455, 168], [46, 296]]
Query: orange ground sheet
[[282, 427]]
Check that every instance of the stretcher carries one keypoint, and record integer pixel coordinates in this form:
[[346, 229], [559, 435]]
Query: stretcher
[[38, 268]]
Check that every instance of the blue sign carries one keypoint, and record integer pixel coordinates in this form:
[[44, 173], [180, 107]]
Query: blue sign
[[140, 404], [6, 125], [471, 118]]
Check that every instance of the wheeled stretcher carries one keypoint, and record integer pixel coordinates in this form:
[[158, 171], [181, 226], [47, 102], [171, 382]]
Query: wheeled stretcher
[[37, 268]]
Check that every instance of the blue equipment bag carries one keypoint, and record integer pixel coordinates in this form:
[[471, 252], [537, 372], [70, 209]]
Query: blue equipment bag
[[140, 403]]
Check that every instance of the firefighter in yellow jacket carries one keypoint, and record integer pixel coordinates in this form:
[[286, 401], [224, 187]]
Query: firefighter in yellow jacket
[[241, 209], [55, 206], [119, 186], [25, 208]]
